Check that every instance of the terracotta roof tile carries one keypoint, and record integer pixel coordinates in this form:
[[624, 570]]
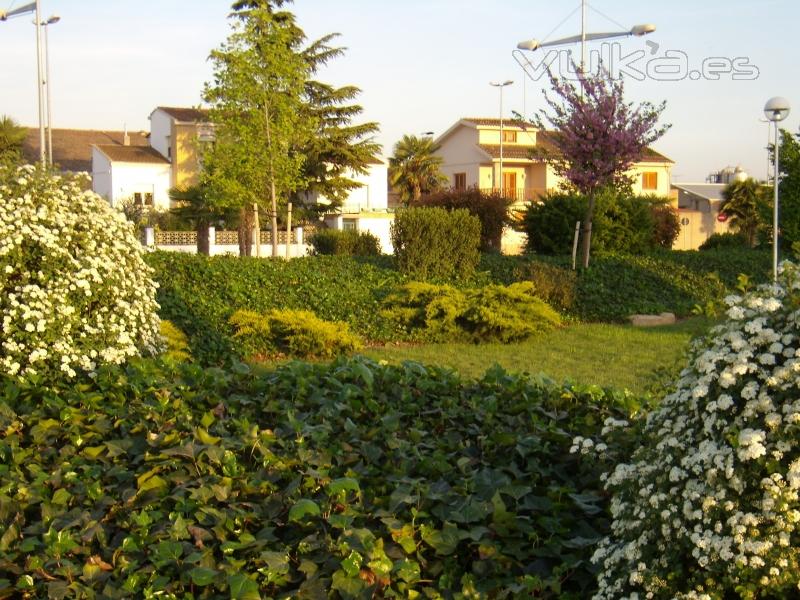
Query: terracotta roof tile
[[132, 154], [72, 148]]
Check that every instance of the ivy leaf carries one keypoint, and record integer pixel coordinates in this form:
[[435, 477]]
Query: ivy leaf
[[303, 508], [343, 484], [243, 588], [352, 564], [202, 576]]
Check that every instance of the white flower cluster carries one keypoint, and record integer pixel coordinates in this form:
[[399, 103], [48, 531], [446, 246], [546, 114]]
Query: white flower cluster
[[74, 290], [709, 506]]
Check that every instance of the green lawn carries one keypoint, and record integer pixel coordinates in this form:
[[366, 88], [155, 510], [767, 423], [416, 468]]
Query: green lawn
[[618, 356]]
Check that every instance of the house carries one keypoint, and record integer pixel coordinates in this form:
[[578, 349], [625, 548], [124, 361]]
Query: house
[[145, 174], [366, 207], [698, 212], [470, 151]]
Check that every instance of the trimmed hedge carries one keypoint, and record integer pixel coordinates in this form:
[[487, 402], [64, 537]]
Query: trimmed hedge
[[350, 480], [434, 243], [491, 208], [345, 243]]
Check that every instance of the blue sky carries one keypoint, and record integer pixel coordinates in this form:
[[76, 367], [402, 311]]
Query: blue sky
[[421, 64]]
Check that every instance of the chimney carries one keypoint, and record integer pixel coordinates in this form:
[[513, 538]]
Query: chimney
[[126, 139]]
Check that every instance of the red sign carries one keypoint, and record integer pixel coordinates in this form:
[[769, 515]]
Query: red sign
[[722, 217]]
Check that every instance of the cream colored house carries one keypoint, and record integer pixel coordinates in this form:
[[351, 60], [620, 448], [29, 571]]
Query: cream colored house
[[470, 151]]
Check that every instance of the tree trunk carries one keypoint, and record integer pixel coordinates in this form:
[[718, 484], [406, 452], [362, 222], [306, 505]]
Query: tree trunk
[[203, 241], [586, 243], [245, 231]]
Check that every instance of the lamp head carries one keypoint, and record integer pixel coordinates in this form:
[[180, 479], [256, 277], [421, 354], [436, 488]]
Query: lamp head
[[777, 108], [529, 45], [640, 30], [53, 20]]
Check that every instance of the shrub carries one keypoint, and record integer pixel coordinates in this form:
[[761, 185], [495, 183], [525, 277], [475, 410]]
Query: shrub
[[492, 313], [176, 342], [345, 243], [708, 507], [491, 208], [433, 243], [297, 333], [622, 223], [349, 480], [555, 285], [728, 239], [666, 225], [74, 291]]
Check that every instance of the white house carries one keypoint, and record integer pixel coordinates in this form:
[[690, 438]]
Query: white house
[[136, 173], [366, 207]]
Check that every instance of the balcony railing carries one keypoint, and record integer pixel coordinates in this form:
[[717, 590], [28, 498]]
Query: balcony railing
[[518, 194]]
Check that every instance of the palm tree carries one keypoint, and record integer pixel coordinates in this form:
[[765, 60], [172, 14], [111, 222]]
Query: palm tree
[[12, 135], [415, 168], [742, 203]]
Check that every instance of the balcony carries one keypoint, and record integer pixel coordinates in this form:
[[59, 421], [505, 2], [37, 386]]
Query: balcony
[[518, 194]]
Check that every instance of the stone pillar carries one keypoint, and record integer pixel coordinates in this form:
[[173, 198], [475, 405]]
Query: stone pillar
[[149, 237]]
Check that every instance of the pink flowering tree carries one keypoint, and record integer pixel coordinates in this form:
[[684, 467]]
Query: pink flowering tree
[[597, 137]]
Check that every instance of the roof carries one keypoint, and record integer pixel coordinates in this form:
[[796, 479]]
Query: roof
[[488, 122], [709, 191], [185, 115], [72, 148], [132, 154]]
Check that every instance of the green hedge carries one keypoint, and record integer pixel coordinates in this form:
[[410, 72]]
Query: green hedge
[[345, 243], [435, 243], [199, 294], [351, 480]]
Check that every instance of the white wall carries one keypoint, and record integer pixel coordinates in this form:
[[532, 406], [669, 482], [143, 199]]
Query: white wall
[[377, 224], [160, 131], [101, 174], [373, 194], [128, 178], [460, 154]]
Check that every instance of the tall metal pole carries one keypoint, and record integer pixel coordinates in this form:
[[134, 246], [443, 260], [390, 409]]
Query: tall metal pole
[[49, 95], [40, 82], [583, 36], [775, 209], [502, 182]]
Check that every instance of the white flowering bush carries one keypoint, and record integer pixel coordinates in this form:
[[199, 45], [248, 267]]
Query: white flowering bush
[[74, 290], [708, 506]]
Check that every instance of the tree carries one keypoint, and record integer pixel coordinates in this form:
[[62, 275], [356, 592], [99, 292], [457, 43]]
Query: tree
[[415, 168], [257, 108], [338, 147], [789, 189], [12, 136], [743, 203], [193, 204], [333, 147], [597, 137]]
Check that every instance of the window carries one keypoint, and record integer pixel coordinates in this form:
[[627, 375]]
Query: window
[[143, 198], [650, 180], [460, 181], [509, 136], [350, 224]]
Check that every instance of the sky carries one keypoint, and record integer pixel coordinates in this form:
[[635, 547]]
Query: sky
[[423, 64]]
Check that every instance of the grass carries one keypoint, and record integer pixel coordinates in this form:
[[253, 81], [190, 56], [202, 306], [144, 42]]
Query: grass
[[618, 356]]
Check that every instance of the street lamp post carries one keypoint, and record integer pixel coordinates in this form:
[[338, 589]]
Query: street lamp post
[[51, 21], [33, 7], [501, 85], [583, 37], [776, 109]]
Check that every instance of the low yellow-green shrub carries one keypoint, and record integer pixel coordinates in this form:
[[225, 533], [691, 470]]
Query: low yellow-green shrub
[[297, 333], [493, 313]]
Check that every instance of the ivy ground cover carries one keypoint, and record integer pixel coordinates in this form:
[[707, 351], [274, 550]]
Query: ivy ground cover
[[351, 480]]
